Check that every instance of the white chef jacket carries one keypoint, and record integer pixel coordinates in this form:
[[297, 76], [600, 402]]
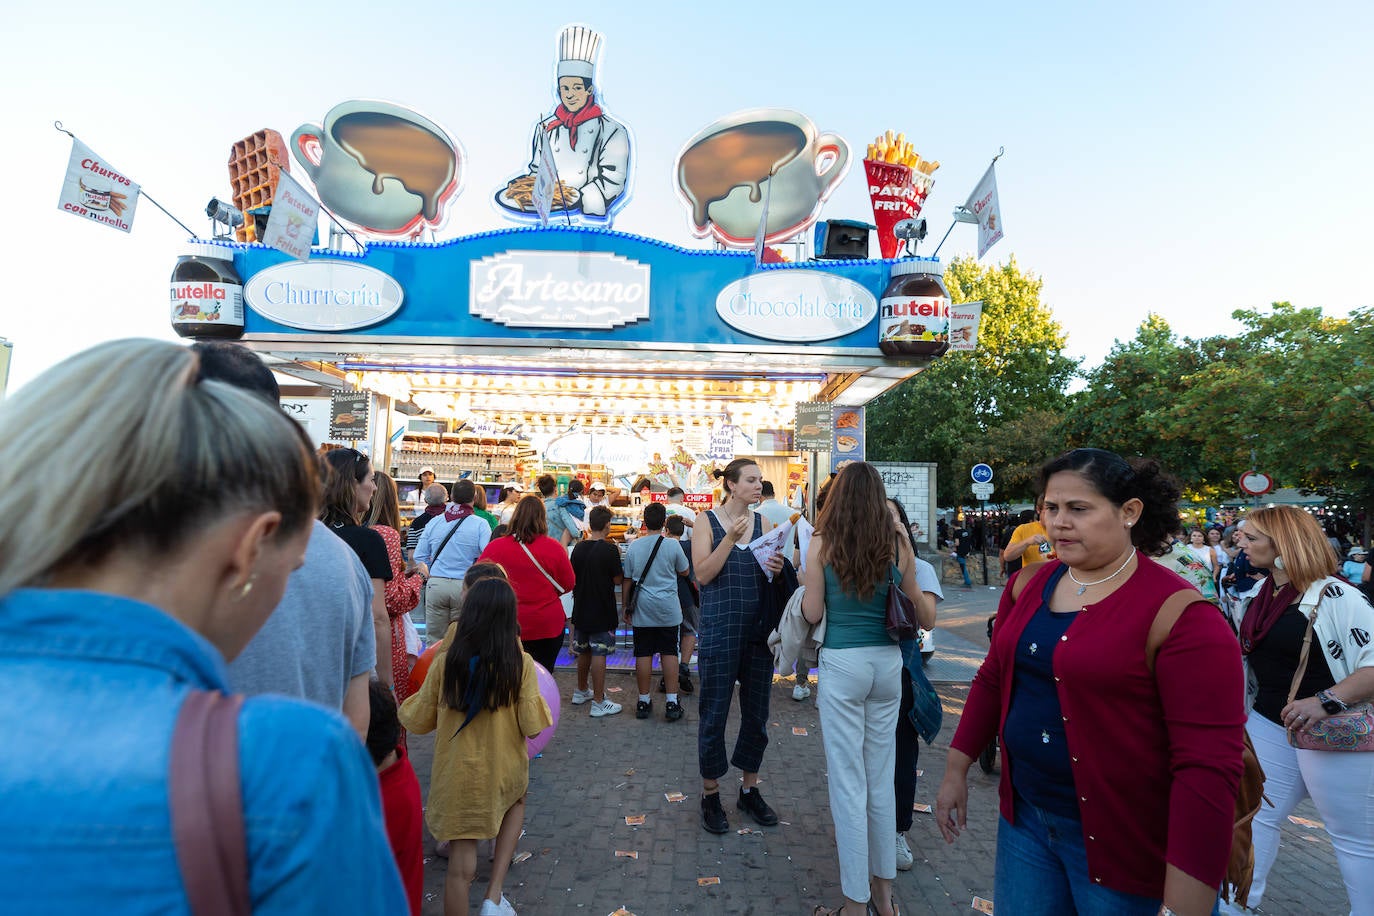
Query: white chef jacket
[[600, 166]]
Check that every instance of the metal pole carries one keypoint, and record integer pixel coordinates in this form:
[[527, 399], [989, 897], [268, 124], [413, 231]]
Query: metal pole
[[984, 503]]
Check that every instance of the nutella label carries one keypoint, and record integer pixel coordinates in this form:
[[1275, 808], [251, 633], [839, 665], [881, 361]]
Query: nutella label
[[913, 319], [208, 303]]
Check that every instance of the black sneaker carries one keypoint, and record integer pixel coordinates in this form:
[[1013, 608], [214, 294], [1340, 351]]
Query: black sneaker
[[642, 709], [684, 683], [713, 815], [672, 712], [753, 803]]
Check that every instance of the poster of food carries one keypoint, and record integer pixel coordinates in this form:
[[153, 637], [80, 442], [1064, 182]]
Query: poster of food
[[848, 445], [348, 416], [815, 423]]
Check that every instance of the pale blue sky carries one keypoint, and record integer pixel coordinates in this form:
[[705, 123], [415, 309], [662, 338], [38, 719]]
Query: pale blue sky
[[1186, 158]]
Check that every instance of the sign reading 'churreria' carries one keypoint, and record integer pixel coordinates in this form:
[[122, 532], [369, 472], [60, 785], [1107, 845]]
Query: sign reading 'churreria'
[[324, 295]]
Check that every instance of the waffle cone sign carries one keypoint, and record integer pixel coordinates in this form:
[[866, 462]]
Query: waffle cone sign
[[897, 192]]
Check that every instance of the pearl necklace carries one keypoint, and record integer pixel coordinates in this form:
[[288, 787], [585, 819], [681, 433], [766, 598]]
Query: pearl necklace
[[1084, 586]]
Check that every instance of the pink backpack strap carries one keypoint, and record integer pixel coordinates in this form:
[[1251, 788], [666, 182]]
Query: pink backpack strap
[[207, 804]]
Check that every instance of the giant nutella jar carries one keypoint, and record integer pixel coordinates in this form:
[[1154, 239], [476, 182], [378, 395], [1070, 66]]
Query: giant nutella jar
[[207, 294], [913, 313]]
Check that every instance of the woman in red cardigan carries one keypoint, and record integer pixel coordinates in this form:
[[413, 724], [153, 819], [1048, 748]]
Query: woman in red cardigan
[[531, 559], [1119, 776]]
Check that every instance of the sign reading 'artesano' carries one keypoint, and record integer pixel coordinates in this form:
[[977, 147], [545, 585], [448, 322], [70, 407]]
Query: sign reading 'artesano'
[[321, 295], [593, 290], [796, 305]]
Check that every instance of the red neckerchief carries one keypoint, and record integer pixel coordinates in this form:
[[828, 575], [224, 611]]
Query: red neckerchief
[[434, 510], [561, 116], [456, 511], [1265, 610]]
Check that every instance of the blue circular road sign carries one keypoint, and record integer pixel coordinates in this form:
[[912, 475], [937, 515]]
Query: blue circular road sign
[[981, 473]]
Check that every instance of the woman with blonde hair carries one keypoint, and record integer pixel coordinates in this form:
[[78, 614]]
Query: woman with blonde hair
[[122, 613], [402, 592], [1306, 638], [855, 558]]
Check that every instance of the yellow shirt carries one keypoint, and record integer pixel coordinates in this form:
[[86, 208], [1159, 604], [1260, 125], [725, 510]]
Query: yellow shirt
[[1033, 553], [479, 774]]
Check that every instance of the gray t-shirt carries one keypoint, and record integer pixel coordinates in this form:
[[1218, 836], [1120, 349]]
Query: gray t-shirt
[[320, 636], [658, 604]]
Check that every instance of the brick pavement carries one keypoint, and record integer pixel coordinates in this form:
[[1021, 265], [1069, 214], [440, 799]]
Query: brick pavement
[[596, 772]]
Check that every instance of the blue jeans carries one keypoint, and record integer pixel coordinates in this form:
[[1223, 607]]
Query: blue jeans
[[963, 568], [1042, 870]]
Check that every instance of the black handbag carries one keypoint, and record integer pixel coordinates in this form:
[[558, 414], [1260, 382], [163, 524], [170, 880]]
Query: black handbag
[[633, 600], [901, 613]]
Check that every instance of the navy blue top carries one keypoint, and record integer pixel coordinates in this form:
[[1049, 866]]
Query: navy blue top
[[1034, 733]]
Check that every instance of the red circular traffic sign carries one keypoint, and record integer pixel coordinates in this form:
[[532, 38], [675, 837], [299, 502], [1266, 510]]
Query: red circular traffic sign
[[1254, 483]]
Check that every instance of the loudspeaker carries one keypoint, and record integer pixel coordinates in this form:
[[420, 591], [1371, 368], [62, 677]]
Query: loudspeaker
[[842, 239]]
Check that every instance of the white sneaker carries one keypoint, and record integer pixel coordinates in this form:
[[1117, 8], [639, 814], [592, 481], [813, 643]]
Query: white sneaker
[[497, 909], [605, 708], [904, 858], [800, 692], [581, 696]]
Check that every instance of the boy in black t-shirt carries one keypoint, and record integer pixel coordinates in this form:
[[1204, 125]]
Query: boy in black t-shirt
[[596, 564]]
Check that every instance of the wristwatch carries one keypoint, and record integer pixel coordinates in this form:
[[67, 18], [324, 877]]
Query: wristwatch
[[1331, 703]]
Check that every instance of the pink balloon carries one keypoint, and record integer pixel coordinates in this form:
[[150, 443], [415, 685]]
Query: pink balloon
[[548, 688]]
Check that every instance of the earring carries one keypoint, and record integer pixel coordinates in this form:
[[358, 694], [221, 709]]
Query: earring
[[247, 587], [1129, 524], [1278, 563]]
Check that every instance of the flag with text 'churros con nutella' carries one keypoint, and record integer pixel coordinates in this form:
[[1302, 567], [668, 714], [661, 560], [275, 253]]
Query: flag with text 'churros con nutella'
[[95, 190]]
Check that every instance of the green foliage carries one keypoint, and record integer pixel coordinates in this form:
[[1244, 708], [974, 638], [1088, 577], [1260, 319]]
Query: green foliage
[[954, 412]]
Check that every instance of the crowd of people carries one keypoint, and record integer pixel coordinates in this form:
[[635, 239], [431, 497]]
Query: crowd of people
[[258, 600]]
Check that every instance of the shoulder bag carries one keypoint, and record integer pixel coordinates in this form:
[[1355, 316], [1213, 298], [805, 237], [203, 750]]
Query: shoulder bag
[[565, 595], [207, 805], [1352, 730], [633, 601], [901, 612]]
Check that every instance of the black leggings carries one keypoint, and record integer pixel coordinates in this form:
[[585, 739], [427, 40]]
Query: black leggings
[[545, 651], [908, 749]]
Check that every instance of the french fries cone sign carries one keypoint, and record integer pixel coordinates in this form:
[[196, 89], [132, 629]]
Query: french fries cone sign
[[899, 181]]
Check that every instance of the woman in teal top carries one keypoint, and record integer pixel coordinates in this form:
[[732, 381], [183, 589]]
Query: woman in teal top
[[855, 557]]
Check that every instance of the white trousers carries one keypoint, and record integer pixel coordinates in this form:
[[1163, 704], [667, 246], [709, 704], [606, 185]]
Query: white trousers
[[861, 692], [1341, 786]]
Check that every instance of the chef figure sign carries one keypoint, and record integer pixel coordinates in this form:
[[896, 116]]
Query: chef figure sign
[[588, 152]]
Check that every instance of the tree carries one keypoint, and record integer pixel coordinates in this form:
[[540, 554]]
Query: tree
[[1131, 405], [1296, 390], [944, 412]]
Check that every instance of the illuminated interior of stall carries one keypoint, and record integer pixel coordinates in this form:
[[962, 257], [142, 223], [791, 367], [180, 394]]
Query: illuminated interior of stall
[[546, 401]]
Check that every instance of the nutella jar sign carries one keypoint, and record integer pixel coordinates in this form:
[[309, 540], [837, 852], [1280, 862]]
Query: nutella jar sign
[[913, 314], [206, 294]]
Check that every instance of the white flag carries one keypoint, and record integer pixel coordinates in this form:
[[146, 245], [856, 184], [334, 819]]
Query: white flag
[[294, 218], [545, 181], [963, 325], [763, 224], [95, 190], [983, 203]]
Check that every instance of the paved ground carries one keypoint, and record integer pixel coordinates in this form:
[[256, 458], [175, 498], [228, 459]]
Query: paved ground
[[596, 772]]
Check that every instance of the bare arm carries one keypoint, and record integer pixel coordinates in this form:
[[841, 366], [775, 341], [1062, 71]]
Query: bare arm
[[381, 625], [813, 578], [357, 708], [1015, 549], [924, 602]]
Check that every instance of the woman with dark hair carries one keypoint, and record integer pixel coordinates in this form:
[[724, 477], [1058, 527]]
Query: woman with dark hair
[[540, 572], [1117, 694], [854, 559], [1308, 653], [402, 592], [348, 488], [910, 727], [115, 627], [482, 696], [729, 649]]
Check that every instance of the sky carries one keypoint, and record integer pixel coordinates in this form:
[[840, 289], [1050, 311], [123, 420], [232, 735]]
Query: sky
[[1183, 158]]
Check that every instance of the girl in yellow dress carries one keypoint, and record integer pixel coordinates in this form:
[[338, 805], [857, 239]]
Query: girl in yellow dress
[[483, 697]]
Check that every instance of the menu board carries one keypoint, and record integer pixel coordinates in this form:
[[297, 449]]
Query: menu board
[[773, 441], [348, 415], [815, 426], [848, 438]]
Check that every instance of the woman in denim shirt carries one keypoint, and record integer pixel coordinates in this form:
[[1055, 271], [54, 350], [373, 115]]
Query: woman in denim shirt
[[197, 505]]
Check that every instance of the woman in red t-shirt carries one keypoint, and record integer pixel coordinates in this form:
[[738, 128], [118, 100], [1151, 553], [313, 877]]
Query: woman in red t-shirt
[[539, 571]]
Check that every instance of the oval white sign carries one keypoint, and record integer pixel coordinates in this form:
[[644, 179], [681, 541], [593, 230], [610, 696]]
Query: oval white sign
[[796, 305], [323, 295]]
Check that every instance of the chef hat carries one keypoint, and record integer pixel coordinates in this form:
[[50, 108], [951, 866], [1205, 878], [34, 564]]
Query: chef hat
[[577, 48]]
